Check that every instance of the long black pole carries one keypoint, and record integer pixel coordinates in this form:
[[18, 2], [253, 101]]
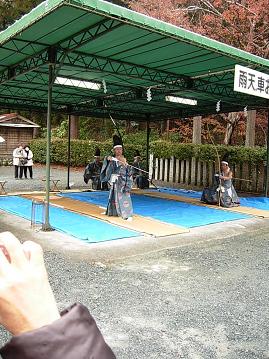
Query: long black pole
[[118, 130], [267, 158], [69, 152], [147, 150]]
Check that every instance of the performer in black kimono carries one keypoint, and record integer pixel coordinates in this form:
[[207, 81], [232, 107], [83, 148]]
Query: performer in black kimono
[[140, 177], [92, 172], [223, 191], [118, 174]]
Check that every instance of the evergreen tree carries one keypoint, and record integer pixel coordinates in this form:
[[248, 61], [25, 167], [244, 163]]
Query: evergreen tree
[[11, 10]]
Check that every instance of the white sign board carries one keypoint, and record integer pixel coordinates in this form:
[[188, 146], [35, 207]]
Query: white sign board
[[251, 82]]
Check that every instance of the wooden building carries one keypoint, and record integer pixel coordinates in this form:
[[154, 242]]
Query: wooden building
[[15, 129]]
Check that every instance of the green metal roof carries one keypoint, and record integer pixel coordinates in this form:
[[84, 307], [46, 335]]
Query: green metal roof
[[126, 53]]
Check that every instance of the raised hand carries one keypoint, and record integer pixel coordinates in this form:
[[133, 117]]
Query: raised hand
[[26, 298]]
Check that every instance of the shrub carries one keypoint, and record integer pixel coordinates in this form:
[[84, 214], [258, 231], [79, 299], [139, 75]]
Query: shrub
[[233, 154], [82, 151], [6, 161]]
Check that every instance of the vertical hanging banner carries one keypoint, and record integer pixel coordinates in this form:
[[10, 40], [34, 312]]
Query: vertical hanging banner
[[251, 82]]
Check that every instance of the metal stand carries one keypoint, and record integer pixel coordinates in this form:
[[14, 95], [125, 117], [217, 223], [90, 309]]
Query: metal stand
[[36, 206]]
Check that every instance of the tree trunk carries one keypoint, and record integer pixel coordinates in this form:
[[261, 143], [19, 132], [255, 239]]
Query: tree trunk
[[167, 129], [141, 125], [36, 132], [162, 127], [127, 126], [250, 131], [197, 128], [74, 127], [232, 121]]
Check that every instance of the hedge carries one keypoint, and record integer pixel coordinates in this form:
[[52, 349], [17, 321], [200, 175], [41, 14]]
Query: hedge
[[83, 151], [233, 154]]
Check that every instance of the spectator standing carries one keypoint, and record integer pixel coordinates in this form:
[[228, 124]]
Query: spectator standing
[[17, 157], [28, 156]]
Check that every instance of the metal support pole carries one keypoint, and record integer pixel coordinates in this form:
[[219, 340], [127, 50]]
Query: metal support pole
[[148, 134], [69, 152], [46, 225], [267, 158]]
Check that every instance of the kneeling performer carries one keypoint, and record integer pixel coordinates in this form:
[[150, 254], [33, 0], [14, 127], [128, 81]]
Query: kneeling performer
[[92, 172], [223, 191]]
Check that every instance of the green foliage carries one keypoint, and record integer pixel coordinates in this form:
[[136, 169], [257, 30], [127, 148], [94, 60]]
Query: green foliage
[[165, 149], [39, 150], [240, 154], [173, 136], [206, 152], [61, 131], [5, 162], [95, 129], [140, 137], [82, 151], [234, 154], [10, 10]]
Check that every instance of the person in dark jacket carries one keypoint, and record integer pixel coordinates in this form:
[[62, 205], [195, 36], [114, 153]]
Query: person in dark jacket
[[28, 310], [93, 170], [140, 177], [28, 158]]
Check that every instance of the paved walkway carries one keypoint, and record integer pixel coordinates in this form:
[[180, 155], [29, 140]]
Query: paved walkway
[[202, 295], [39, 173]]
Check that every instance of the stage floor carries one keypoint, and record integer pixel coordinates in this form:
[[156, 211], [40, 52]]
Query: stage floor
[[162, 212]]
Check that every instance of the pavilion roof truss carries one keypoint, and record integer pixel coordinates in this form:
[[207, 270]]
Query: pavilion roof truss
[[23, 83]]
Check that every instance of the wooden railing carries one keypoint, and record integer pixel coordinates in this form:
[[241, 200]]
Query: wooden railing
[[192, 173]]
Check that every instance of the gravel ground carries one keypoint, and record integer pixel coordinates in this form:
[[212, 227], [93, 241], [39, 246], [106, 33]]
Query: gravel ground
[[204, 297], [39, 173]]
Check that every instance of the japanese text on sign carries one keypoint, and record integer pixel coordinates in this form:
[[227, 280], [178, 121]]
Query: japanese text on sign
[[251, 82]]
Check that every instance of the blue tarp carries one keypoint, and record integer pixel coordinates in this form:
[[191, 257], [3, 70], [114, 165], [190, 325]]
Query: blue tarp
[[254, 202], [178, 213], [179, 192], [79, 226]]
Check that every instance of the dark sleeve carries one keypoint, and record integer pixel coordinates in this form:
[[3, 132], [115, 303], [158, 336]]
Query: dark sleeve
[[106, 171], [86, 174], [74, 336]]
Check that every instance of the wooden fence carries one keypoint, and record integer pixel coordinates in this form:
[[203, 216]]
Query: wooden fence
[[192, 173]]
